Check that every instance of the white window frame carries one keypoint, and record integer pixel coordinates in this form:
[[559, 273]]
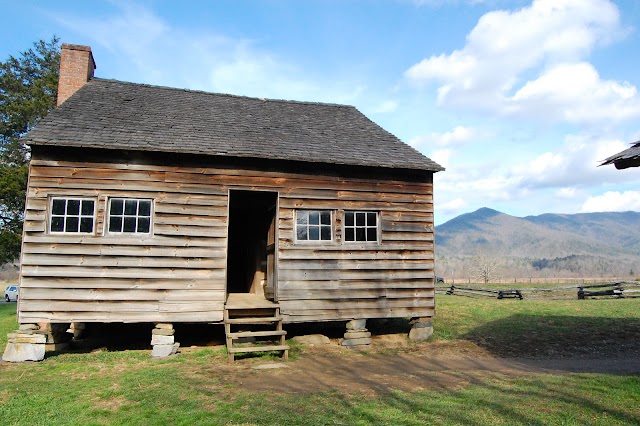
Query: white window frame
[[80, 216], [378, 227], [107, 224], [320, 225]]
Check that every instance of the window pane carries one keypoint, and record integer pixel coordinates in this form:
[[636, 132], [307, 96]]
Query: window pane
[[302, 217], [73, 207], [360, 234], [143, 224], [117, 207], [58, 207], [115, 224], [325, 218], [372, 234], [302, 233], [57, 224], [325, 233], [360, 219], [348, 234], [314, 233], [129, 224], [87, 207], [371, 219], [348, 218], [72, 224], [130, 207], [86, 224], [314, 218], [145, 208]]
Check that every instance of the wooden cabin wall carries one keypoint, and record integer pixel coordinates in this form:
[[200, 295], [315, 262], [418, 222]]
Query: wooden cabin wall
[[178, 273]]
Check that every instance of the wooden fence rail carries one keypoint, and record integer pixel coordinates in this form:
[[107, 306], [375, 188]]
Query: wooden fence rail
[[619, 289]]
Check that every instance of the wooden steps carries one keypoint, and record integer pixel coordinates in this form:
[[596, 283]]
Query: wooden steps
[[252, 314]]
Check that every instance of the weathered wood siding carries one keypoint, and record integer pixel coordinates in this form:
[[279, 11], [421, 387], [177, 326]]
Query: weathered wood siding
[[179, 272]]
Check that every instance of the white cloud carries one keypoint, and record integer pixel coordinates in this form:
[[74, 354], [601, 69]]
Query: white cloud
[[531, 62], [459, 135], [441, 156], [613, 201], [567, 192]]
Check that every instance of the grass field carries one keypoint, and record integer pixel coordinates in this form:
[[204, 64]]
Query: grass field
[[200, 388]]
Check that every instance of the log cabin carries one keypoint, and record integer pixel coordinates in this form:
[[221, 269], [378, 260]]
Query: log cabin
[[162, 205]]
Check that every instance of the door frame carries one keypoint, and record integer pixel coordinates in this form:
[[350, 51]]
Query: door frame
[[276, 236]]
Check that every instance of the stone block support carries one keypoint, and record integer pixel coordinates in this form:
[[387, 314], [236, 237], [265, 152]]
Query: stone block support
[[356, 335], [421, 329], [163, 341], [26, 344]]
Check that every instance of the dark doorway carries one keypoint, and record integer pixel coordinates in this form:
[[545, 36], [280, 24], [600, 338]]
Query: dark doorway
[[250, 257]]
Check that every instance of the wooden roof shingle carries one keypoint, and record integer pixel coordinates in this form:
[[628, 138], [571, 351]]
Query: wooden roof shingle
[[111, 114]]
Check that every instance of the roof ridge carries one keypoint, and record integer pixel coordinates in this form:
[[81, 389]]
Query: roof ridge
[[229, 95]]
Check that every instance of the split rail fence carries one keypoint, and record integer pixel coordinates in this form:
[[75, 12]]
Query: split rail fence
[[618, 290]]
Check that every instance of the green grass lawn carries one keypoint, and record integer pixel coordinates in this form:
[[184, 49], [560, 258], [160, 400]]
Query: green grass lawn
[[128, 388]]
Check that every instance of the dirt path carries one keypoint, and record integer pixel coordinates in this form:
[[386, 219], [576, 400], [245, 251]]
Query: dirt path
[[381, 373]]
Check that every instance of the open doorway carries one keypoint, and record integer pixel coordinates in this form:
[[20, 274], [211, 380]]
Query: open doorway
[[251, 252]]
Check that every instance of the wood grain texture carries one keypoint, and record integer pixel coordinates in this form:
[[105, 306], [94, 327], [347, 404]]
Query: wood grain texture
[[178, 273]]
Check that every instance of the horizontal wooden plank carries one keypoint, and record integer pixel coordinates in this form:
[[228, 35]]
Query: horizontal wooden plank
[[189, 231], [285, 245], [407, 236], [297, 275], [87, 272], [278, 177], [31, 226], [297, 203], [341, 254], [416, 227], [119, 306], [62, 283], [347, 264], [117, 250], [123, 185], [214, 315], [122, 261], [101, 294], [305, 315], [191, 210], [337, 304], [113, 240], [337, 285], [181, 220], [37, 204], [345, 293]]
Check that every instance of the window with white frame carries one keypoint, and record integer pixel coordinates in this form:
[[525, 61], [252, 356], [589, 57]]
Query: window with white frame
[[129, 216], [72, 215], [314, 225], [361, 226]]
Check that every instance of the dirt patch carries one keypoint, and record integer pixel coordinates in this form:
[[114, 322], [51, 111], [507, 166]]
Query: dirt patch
[[380, 373]]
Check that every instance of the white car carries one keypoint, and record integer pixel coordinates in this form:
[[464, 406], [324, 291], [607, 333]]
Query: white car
[[11, 293]]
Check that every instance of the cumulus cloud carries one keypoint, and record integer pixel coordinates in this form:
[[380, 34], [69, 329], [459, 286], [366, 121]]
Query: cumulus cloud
[[613, 201], [531, 61]]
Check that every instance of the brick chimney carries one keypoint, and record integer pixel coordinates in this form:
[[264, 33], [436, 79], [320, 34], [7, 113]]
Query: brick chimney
[[76, 68]]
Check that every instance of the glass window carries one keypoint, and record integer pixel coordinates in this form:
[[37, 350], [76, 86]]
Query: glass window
[[360, 226], [72, 215], [129, 216], [313, 225]]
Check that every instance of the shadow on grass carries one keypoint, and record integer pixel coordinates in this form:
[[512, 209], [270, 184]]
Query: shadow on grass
[[551, 336]]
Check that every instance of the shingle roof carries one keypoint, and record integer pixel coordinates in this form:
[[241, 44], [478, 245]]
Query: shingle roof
[[117, 115], [630, 157]]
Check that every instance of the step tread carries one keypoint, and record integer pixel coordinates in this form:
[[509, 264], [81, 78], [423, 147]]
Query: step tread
[[258, 349], [239, 334], [252, 320]]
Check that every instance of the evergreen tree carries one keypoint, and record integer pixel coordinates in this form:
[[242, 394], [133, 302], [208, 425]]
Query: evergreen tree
[[28, 91]]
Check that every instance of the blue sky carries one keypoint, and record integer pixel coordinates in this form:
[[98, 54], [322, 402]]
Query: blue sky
[[517, 99]]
